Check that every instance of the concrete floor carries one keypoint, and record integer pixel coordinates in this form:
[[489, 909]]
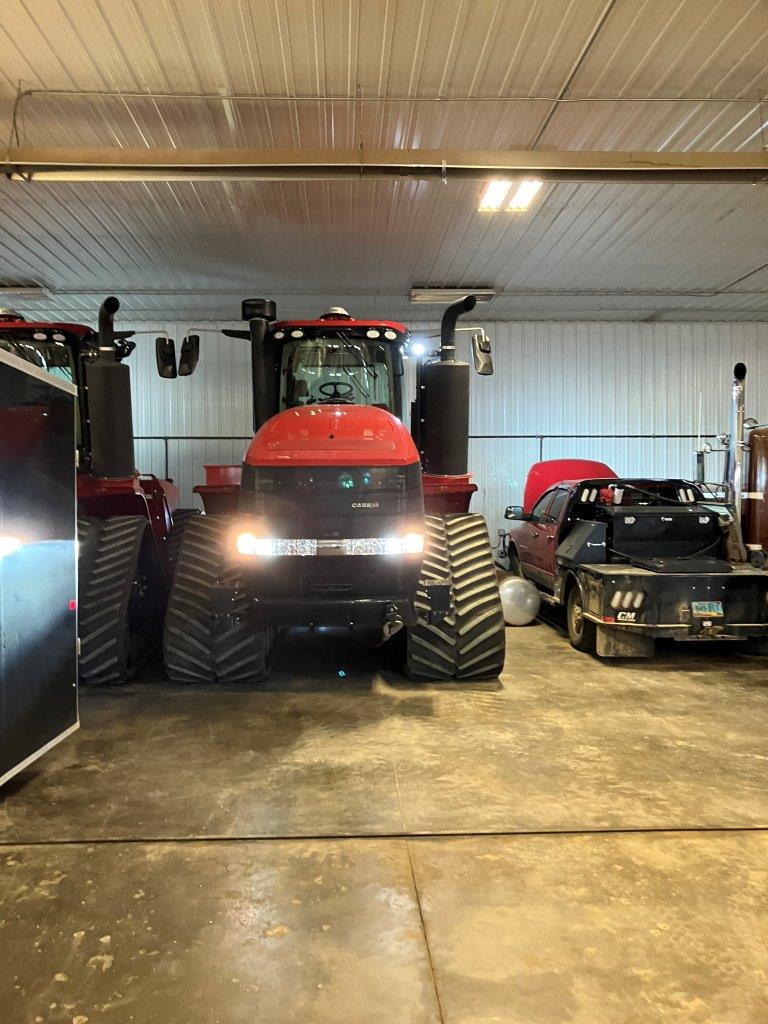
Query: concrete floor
[[585, 842]]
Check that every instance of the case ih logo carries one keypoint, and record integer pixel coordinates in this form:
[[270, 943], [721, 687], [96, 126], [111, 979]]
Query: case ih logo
[[625, 616], [365, 504]]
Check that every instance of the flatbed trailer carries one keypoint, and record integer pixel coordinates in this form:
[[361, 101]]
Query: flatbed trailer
[[677, 606]]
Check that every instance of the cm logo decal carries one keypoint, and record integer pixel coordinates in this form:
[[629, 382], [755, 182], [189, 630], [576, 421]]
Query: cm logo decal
[[626, 616]]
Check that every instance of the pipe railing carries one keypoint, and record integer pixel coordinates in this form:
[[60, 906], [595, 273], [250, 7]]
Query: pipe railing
[[166, 440]]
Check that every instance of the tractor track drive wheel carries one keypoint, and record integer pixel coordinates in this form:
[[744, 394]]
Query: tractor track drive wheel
[[122, 597], [201, 646], [468, 642]]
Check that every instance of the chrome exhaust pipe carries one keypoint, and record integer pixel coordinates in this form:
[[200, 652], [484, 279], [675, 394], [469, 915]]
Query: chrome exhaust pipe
[[734, 458]]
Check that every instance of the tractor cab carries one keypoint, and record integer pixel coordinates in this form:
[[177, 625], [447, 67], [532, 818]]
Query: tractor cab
[[57, 348], [336, 360], [333, 360], [91, 360], [52, 347]]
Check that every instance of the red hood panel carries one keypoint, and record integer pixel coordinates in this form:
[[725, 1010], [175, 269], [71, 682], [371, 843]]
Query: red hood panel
[[543, 475], [343, 435]]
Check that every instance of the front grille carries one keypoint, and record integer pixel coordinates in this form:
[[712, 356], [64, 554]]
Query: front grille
[[332, 502]]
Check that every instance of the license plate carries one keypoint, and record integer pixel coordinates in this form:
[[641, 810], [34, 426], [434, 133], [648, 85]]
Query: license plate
[[707, 609]]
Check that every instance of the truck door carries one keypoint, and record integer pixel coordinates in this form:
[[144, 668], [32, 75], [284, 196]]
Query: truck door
[[530, 540], [549, 530]]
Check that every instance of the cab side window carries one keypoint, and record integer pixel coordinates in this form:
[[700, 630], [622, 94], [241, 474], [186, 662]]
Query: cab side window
[[539, 510], [561, 497]]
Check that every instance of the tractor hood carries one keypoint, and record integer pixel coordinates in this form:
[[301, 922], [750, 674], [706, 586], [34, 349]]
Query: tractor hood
[[323, 435]]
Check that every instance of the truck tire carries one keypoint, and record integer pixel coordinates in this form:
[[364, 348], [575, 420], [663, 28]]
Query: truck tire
[[199, 646], [181, 519], [121, 598], [469, 642], [514, 561], [582, 632]]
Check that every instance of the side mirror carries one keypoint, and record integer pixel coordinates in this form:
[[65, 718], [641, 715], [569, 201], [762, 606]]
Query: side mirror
[[481, 353], [514, 512], [165, 352], [190, 353]]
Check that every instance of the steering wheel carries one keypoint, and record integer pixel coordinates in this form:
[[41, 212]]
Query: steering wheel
[[337, 391]]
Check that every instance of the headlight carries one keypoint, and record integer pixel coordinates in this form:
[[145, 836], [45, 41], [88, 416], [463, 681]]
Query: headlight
[[412, 543], [268, 547], [250, 545]]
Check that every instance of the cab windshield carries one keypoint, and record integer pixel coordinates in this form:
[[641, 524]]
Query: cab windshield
[[54, 356], [336, 367]]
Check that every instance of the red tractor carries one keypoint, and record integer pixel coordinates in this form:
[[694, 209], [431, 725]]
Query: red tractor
[[125, 519], [339, 516]]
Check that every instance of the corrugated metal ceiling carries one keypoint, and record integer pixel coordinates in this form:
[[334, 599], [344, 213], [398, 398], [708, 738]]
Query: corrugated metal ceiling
[[583, 251]]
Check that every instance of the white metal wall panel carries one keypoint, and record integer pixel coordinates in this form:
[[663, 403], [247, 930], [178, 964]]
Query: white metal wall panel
[[554, 383]]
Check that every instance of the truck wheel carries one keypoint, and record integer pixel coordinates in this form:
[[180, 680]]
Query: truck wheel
[[122, 598], [199, 646], [581, 631], [514, 562], [468, 642]]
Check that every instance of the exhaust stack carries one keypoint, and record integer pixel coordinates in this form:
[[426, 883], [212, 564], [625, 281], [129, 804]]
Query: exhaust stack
[[735, 455], [107, 311], [448, 325]]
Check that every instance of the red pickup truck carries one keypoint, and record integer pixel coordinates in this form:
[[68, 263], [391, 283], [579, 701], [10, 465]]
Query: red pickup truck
[[631, 560]]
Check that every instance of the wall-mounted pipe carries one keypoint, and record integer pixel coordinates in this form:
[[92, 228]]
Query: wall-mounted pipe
[[735, 453]]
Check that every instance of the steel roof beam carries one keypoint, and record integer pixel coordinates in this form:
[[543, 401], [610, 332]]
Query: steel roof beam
[[26, 163]]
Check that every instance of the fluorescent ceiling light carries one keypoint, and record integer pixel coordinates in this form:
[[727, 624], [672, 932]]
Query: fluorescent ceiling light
[[445, 295], [495, 194], [23, 291], [523, 195]]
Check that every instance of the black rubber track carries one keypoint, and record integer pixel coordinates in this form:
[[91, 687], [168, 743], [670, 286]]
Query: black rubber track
[[181, 518], [200, 647], [116, 624], [469, 642]]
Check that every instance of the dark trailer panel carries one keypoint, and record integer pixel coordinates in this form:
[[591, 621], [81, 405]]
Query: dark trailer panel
[[38, 563]]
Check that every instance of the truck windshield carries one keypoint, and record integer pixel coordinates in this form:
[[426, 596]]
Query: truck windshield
[[335, 367]]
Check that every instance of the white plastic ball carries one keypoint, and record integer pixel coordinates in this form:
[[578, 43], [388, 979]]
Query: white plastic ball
[[520, 601]]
